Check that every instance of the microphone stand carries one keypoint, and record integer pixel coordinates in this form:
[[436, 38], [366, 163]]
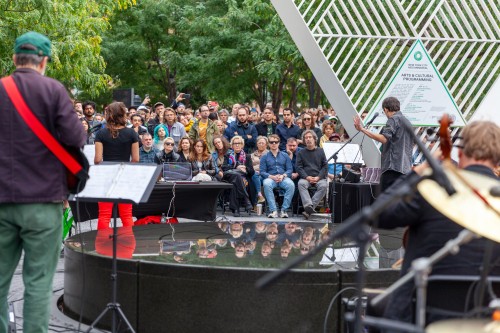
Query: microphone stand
[[334, 191]]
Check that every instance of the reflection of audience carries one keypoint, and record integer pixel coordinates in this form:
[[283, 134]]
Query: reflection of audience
[[267, 249], [204, 251], [307, 239], [285, 250]]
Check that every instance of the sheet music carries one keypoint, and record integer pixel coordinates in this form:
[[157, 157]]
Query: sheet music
[[350, 154], [118, 181], [89, 152]]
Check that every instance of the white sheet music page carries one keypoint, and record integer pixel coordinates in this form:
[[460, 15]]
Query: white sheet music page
[[350, 154], [118, 181]]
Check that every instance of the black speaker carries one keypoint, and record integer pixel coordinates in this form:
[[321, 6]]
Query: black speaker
[[124, 95]]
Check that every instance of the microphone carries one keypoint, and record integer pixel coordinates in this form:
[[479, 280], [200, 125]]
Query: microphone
[[95, 128], [495, 191], [371, 120]]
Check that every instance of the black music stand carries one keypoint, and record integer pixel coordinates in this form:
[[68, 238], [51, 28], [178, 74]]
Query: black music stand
[[344, 160], [118, 183]]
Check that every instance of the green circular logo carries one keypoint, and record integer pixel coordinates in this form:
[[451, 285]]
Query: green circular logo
[[418, 56]]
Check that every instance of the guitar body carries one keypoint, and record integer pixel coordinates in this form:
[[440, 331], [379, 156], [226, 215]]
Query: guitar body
[[76, 183]]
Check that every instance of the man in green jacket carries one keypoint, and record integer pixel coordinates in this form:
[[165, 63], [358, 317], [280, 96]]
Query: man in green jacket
[[204, 129]]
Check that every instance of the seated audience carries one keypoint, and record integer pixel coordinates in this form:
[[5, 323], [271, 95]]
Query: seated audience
[[236, 169], [287, 129], [147, 152], [221, 149], [201, 162], [184, 149], [242, 127], [276, 171], [309, 124], [328, 130], [312, 168], [160, 133], [256, 156], [167, 155], [267, 126]]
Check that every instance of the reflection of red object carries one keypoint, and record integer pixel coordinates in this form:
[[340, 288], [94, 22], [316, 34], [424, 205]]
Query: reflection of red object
[[155, 219], [125, 242]]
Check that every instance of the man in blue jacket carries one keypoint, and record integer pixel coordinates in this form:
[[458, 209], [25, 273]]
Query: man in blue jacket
[[276, 170], [243, 128]]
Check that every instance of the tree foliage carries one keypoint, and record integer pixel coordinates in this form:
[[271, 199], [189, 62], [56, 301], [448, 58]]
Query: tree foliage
[[74, 27], [216, 49]]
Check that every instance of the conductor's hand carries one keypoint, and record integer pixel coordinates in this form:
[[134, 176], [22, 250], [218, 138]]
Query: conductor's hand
[[357, 123]]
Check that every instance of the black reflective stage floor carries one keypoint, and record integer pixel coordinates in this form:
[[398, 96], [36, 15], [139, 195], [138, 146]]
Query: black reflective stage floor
[[192, 277]]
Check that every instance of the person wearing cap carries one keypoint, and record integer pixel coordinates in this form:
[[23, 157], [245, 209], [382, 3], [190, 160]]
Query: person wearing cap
[[33, 181], [159, 109], [177, 103]]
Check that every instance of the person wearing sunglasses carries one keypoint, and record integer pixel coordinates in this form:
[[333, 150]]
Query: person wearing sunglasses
[[309, 124], [276, 171], [238, 169], [167, 155]]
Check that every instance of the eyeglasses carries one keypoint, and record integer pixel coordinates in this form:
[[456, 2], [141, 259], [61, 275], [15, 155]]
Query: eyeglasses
[[89, 108], [168, 144], [307, 118], [237, 143], [274, 142]]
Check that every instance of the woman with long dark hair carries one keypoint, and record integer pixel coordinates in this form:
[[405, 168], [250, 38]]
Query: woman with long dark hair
[[201, 162], [184, 149], [221, 148], [116, 143]]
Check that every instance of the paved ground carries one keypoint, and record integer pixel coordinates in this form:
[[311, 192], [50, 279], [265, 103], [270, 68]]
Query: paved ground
[[59, 322]]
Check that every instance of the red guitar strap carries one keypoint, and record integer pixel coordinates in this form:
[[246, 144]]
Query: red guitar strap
[[37, 127]]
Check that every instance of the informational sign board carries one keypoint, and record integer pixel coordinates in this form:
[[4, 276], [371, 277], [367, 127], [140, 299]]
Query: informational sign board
[[422, 92]]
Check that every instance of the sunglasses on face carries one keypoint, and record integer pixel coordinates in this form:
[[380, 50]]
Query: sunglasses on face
[[273, 142], [168, 144]]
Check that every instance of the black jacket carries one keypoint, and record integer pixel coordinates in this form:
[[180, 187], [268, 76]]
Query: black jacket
[[262, 128], [429, 230], [162, 157]]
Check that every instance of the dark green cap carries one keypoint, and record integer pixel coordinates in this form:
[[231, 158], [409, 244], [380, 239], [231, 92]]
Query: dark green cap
[[33, 43]]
